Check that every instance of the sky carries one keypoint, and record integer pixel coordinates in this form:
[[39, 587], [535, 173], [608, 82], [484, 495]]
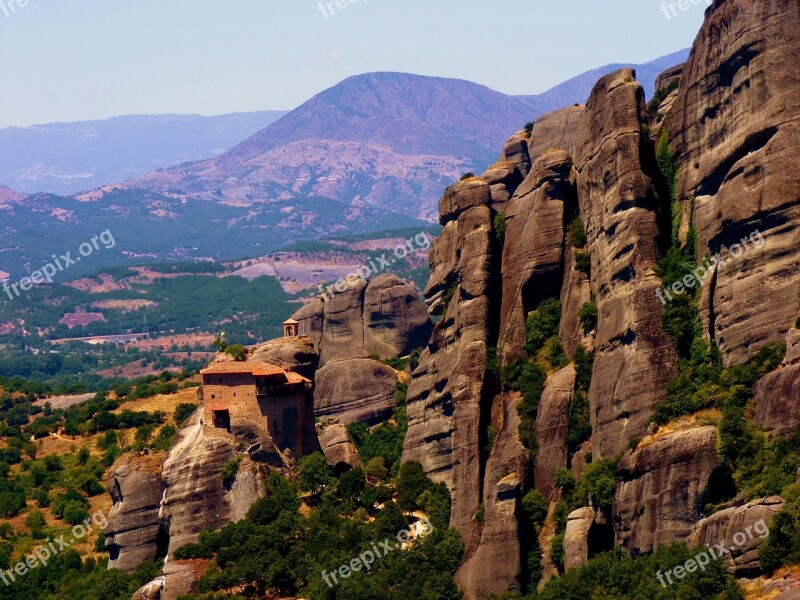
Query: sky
[[95, 59]]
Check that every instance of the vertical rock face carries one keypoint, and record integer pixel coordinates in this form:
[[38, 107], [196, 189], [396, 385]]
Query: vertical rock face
[[444, 397], [355, 390], [552, 425], [777, 394], [385, 317], [735, 128], [575, 292], [133, 534], [618, 204], [558, 129], [496, 564], [660, 489], [516, 152], [668, 76], [740, 530], [533, 253], [576, 537]]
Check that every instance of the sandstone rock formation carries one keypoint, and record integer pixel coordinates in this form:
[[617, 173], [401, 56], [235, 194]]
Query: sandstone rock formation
[[445, 421], [496, 564], [576, 537], [735, 128], [620, 210], [558, 129], [660, 488], [355, 390], [385, 317], [134, 533], [575, 292], [337, 447], [552, 424], [777, 394], [668, 76], [739, 531], [295, 354], [533, 256], [516, 151]]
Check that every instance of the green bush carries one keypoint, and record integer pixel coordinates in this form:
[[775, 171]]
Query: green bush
[[230, 470], [315, 474], [467, 175], [535, 506], [183, 411], [564, 479], [583, 262], [500, 226], [576, 234], [542, 324], [588, 316]]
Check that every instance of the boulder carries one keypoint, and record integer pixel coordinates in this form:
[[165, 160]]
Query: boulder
[[503, 179], [740, 530], [337, 447], [462, 196], [552, 425], [576, 537], [295, 354], [150, 591], [358, 390], [516, 152], [385, 317], [660, 489], [777, 394], [734, 128], [134, 533], [533, 252], [635, 358]]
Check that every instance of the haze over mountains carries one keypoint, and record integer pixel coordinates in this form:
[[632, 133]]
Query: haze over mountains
[[369, 154], [66, 158]]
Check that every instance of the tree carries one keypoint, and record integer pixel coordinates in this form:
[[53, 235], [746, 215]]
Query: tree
[[237, 351], [35, 521], [315, 473], [411, 482]]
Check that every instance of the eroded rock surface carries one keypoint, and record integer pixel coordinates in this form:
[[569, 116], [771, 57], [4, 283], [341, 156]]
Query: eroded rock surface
[[337, 446], [134, 534], [386, 318], [739, 531], [558, 129], [660, 489], [533, 252], [777, 394], [576, 537], [552, 425], [619, 207], [735, 128], [355, 390]]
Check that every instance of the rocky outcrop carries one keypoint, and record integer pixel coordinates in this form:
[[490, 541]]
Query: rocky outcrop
[[503, 179], [619, 207], [134, 533], [385, 317], [150, 591], [337, 447], [558, 129], [735, 127], [445, 422], [295, 354], [533, 253], [660, 489], [576, 537], [552, 425], [355, 390], [516, 152], [196, 497], [668, 76], [496, 564], [738, 532], [777, 394], [575, 292]]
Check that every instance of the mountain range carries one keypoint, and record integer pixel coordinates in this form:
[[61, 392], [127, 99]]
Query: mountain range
[[369, 154]]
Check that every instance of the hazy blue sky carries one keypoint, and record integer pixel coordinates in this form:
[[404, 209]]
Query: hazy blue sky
[[90, 59]]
